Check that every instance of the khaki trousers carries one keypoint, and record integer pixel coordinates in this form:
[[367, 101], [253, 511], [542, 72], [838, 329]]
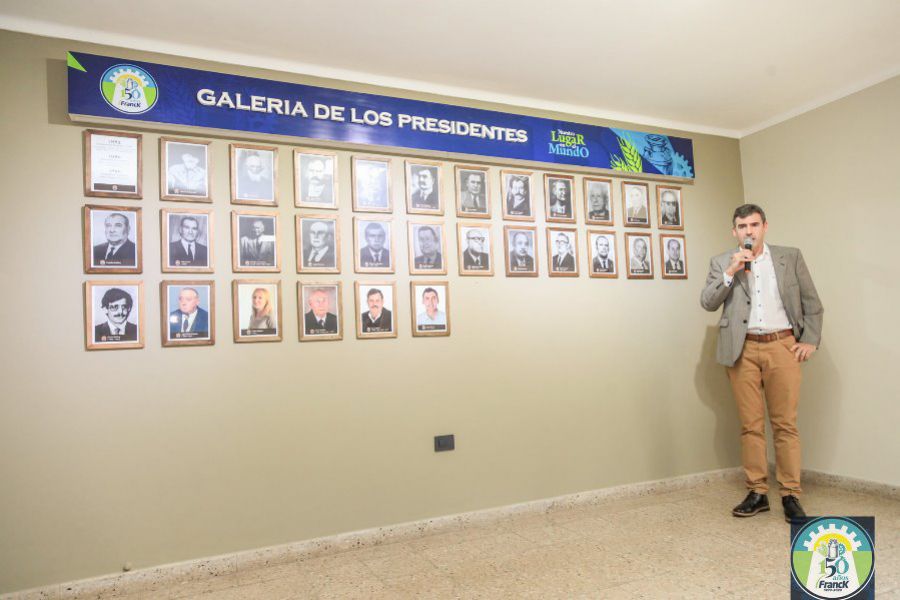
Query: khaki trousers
[[769, 367]]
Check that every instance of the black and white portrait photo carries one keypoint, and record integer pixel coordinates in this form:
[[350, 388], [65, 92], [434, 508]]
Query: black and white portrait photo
[[562, 252], [669, 208], [635, 197], [185, 169], [598, 206], [474, 243], [426, 249], [602, 252], [559, 197], [638, 256], [321, 312], [521, 251], [375, 312], [188, 316], [254, 241], [318, 244], [472, 192], [517, 205], [315, 178], [254, 171], [114, 315], [373, 245], [423, 188], [257, 310], [112, 239], [186, 236], [674, 255], [430, 308], [371, 184]]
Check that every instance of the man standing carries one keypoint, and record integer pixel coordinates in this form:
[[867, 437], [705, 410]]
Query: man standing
[[318, 319], [118, 250], [188, 252], [377, 319], [602, 263], [771, 322], [188, 320], [429, 256]]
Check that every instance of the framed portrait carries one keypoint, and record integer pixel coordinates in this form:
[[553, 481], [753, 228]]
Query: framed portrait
[[113, 315], [473, 192], [520, 244], [669, 209], [673, 253], [113, 164], [598, 204], [638, 256], [315, 179], [254, 242], [254, 174], [562, 252], [321, 312], [256, 310], [371, 184], [427, 249], [318, 244], [186, 240], [373, 245], [112, 239], [184, 173], [188, 314], [559, 198], [423, 188], [376, 315], [430, 308], [517, 200], [636, 204], [475, 249], [602, 252]]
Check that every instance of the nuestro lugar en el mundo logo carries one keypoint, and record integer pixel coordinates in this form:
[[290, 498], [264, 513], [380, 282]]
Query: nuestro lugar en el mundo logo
[[129, 89]]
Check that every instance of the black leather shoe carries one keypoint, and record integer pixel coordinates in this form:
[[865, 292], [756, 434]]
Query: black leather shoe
[[752, 504], [793, 512]]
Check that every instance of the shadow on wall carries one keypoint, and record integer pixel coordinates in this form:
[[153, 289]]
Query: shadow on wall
[[820, 415], [57, 92], [711, 383]]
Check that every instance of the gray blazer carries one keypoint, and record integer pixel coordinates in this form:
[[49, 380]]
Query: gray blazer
[[795, 286]]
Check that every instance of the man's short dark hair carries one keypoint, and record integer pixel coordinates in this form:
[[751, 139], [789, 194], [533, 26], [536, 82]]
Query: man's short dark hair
[[430, 289], [194, 219], [374, 291], [745, 210], [113, 295]]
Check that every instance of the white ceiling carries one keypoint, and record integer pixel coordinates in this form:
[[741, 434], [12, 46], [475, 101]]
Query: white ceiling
[[728, 67]]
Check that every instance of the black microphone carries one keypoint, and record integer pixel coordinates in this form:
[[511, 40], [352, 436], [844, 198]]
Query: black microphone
[[748, 245]]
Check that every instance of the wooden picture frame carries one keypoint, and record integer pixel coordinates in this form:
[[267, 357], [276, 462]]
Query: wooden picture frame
[[598, 268], [331, 327], [434, 240], [385, 325], [419, 200], [559, 208], [309, 232], [566, 265], [180, 328], [254, 249], [527, 265], [673, 269], [512, 212], [631, 254], [319, 193], [597, 191], [366, 260], [477, 263], [423, 324], [188, 177], [113, 164], [473, 199], [253, 182], [119, 248], [669, 219], [371, 183], [112, 298], [635, 204], [243, 292], [178, 257]]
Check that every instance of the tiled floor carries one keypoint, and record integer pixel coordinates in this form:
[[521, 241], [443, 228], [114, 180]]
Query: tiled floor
[[682, 544]]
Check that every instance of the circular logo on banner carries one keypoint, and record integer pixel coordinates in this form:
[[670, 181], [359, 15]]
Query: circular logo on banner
[[128, 89], [832, 557]]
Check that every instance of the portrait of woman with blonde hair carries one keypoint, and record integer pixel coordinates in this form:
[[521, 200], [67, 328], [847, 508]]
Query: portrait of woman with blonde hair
[[256, 309]]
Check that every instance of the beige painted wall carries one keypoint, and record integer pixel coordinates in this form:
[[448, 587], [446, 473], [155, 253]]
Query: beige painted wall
[[167, 454], [830, 183]]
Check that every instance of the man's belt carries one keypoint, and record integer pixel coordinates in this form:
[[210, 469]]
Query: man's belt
[[770, 337]]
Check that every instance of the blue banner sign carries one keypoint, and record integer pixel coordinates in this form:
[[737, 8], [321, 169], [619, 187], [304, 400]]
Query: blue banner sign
[[100, 86]]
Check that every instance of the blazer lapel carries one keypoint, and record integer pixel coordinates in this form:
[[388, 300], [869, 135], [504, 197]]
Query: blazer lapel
[[741, 276], [780, 271]]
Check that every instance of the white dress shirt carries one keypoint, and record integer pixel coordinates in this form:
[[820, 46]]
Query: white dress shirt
[[767, 313]]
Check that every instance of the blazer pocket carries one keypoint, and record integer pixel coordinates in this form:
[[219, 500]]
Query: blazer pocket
[[723, 322]]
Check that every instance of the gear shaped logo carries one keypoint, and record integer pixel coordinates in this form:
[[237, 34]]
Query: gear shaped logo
[[129, 89], [834, 557]]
